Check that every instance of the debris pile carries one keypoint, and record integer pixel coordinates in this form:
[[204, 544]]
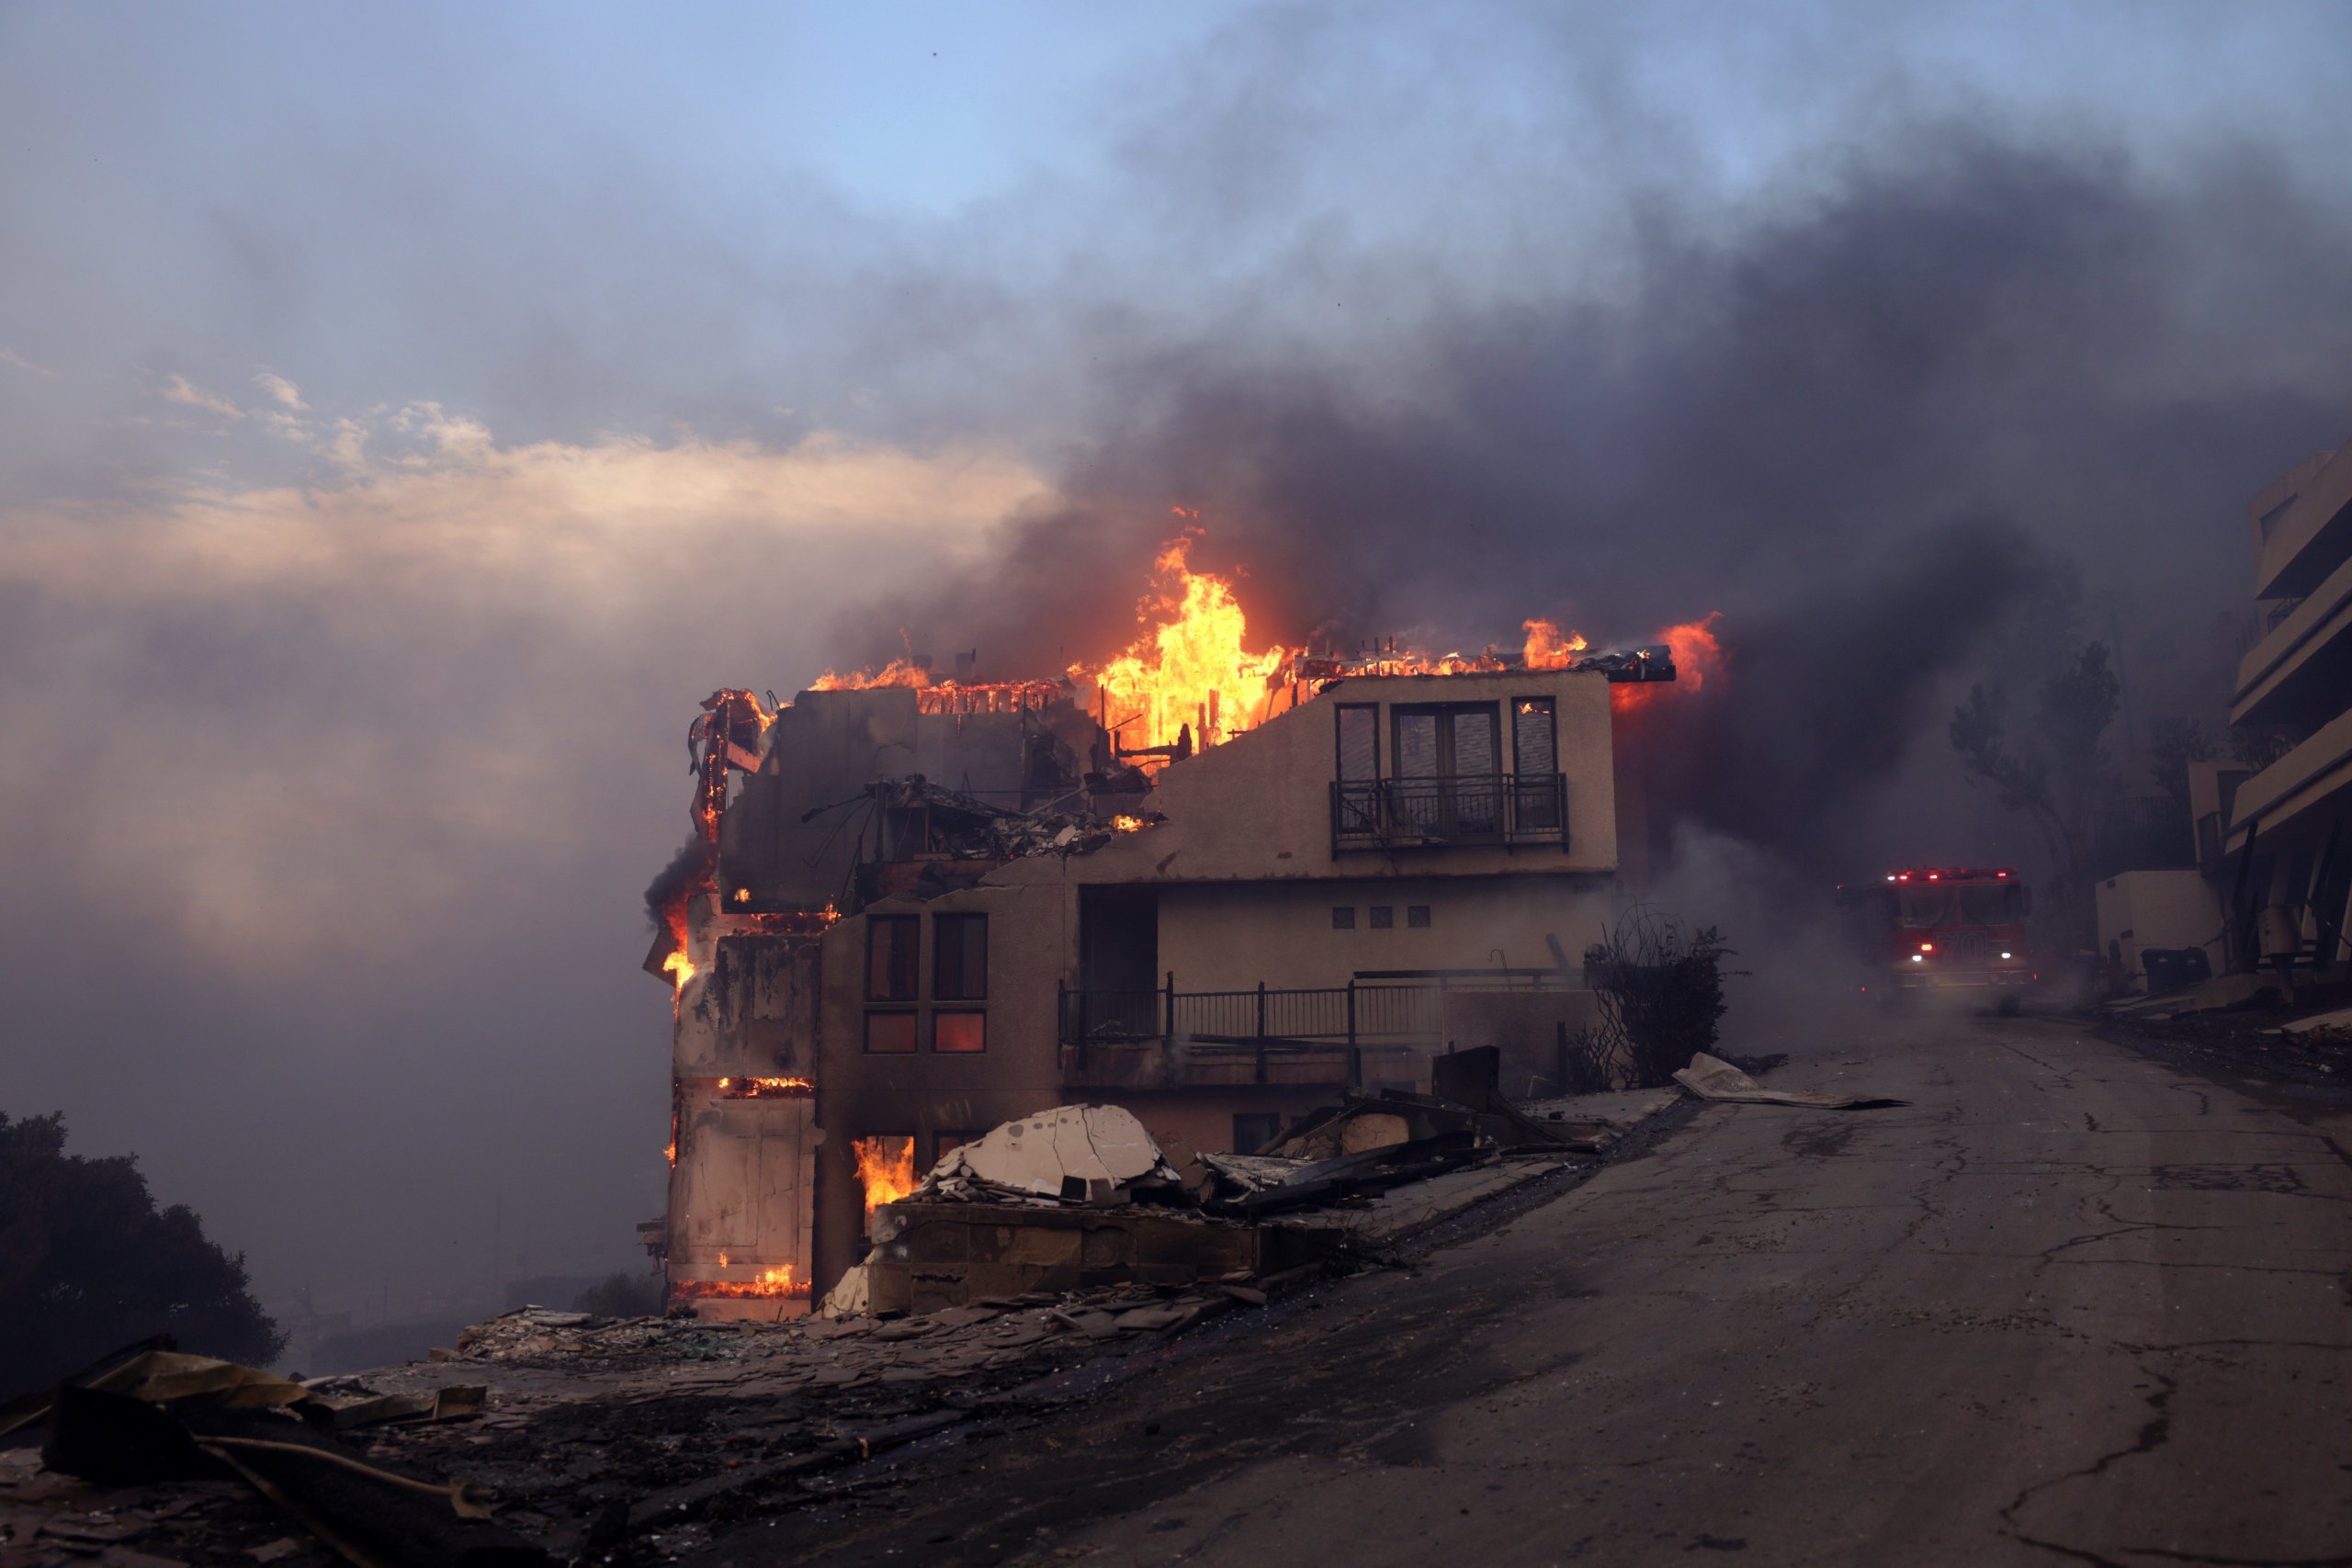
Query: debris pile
[[1709, 1078], [964, 828], [1081, 1197], [151, 1417]]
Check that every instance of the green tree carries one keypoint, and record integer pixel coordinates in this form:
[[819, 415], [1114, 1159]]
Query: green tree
[[2060, 773], [88, 1263]]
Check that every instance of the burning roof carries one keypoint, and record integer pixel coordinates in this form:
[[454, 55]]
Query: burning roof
[[1190, 680]]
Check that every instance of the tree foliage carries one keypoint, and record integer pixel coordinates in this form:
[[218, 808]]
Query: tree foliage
[[88, 1263], [2060, 771]]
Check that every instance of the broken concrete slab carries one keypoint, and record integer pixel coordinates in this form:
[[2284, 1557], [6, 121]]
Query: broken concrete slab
[[1071, 1152], [1709, 1078]]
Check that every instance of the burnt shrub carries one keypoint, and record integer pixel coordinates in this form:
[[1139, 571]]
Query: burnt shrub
[[1660, 988]]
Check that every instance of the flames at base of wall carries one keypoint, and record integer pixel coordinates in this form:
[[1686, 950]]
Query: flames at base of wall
[[768, 1283]]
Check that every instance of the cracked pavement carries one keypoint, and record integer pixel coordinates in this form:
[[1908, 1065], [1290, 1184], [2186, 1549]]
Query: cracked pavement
[[2070, 1304]]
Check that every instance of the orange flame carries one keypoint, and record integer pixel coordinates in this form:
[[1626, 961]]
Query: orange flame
[[752, 1088], [1192, 668], [679, 967], [768, 1282], [897, 673], [887, 1167], [1698, 656], [1548, 648], [1125, 824]]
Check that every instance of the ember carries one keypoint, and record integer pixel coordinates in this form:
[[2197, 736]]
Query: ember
[[887, 1167], [752, 1088]]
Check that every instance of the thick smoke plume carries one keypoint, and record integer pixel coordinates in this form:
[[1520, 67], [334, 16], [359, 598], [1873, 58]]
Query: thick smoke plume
[[1861, 429]]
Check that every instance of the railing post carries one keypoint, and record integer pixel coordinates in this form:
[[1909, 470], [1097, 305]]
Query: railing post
[[1355, 1054], [1170, 1028], [1262, 1032]]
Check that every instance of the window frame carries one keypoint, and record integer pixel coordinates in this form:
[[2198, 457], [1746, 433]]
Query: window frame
[[938, 1013], [882, 987], [914, 1031], [961, 921]]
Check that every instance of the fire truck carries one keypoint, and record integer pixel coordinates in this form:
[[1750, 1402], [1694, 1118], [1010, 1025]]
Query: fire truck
[[1944, 928]]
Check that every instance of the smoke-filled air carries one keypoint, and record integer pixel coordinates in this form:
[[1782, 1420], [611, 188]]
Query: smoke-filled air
[[411, 415]]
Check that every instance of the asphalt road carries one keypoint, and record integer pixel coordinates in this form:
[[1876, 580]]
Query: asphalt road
[[2070, 1305]]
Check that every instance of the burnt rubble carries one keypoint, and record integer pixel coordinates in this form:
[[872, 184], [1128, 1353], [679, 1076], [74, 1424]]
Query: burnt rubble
[[964, 827], [583, 1438]]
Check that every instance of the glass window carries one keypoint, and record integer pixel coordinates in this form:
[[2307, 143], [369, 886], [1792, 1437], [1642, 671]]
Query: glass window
[[959, 958], [1343, 916], [1534, 752], [891, 957], [1535, 764], [1359, 741], [1383, 917], [959, 1032], [1989, 904], [890, 1033], [1416, 914], [1920, 907]]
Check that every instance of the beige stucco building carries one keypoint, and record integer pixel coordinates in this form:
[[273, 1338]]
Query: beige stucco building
[[929, 914], [2286, 836]]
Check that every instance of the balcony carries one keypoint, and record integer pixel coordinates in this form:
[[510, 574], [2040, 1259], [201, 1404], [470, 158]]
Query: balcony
[[2302, 667], [1454, 810], [1169, 1039]]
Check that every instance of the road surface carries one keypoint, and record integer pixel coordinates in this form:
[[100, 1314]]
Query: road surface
[[2070, 1305]]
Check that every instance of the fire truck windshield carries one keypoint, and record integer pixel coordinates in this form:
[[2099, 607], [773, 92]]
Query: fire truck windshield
[[1996, 905], [1924, 907]]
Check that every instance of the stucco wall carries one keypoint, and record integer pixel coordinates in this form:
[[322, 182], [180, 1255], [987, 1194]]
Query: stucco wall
[[1219, 937], [1259, 808]]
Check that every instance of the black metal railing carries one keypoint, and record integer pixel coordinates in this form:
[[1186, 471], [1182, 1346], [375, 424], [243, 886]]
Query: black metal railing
[[1333, 1015], [1492, 809], [1318, 1035]]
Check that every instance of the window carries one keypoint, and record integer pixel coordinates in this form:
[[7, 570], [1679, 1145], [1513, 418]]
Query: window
[[1448, 769], [890, 1033], [959, 1032], [1417, 914], [1383, 917], [1922, 907], [946, 1143], [1359, 741], [1998, 904], [892, 973], [1343, 916], [959, 959], [1254, 1130], [1535, 759]]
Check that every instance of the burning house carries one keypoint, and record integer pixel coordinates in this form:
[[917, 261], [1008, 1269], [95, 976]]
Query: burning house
[[1211, 887]]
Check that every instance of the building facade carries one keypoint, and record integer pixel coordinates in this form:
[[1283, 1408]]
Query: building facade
[[2285, 839], [927, 911]]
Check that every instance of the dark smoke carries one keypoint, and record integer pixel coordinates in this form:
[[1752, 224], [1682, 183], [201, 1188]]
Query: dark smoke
[[685, 872], [1779, 421]]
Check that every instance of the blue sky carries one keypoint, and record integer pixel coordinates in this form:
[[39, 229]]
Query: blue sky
[[407, 413]]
